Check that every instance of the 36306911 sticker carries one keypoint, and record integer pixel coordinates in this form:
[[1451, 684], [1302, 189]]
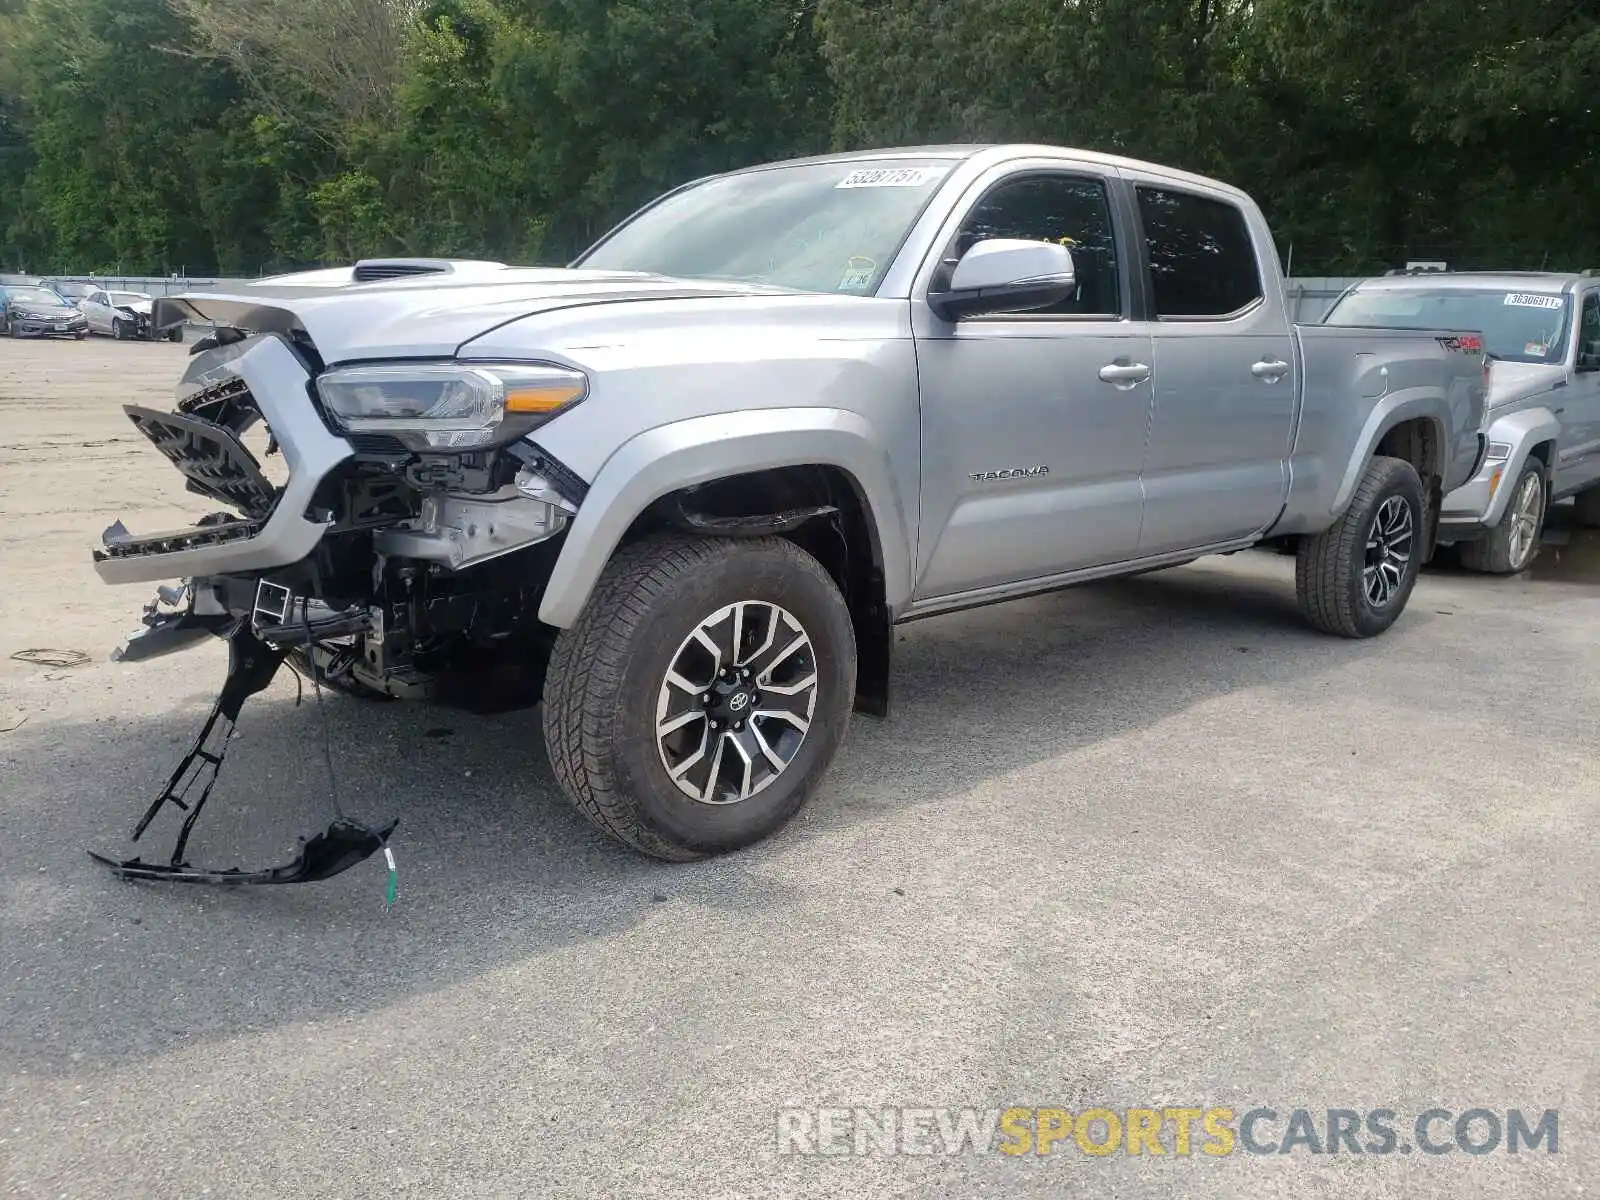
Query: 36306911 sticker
[[1532, 300], [874, 177]]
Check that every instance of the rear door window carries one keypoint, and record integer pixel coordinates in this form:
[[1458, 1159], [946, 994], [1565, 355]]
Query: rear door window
[[1589, 332], [1202, 263]]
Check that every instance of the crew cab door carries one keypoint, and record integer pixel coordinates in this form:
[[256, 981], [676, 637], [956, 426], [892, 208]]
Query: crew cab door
[[1033, 424], [1225, 371], [1578, 456]]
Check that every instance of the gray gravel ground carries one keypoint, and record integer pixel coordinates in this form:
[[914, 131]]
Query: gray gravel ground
[[1148, 843]]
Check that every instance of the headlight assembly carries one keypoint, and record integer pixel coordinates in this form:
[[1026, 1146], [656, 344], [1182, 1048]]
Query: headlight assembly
[[449, 406]]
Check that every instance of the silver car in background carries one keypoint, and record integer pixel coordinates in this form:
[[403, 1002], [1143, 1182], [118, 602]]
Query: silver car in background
[[1542, 334], [28, 310], [123, 315]]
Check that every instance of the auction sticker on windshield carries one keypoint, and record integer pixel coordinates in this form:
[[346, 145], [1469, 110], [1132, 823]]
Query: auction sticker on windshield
[[1526, 300], [892, 177]]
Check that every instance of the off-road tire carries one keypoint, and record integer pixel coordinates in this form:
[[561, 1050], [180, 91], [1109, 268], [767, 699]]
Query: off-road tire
[[1586, 507], [1491, 553], [607, 670], [1329, 582]]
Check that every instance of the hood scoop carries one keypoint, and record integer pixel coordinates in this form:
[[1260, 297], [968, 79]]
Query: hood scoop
[[370, 269]]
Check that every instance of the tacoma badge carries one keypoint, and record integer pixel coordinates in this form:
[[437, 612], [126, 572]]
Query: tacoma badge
[[1009, 473]]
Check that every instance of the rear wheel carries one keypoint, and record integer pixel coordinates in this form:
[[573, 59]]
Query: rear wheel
[[698, 700], [1354, 578], [1512, 544]]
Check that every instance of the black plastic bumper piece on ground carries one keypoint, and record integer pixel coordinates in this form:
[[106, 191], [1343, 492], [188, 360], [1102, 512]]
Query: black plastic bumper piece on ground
[[322, 856], [251, 667]]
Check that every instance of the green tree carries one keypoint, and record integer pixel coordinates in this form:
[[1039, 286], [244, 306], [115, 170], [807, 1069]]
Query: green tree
[[625, 98]]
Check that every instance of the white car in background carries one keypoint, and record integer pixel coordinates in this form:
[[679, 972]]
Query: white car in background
[[123, 315]]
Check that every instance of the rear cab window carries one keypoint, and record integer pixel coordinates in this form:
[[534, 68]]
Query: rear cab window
[[1202, 262]]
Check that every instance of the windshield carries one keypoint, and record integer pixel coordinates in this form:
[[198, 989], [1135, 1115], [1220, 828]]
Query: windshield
[[33, 295], [121, 298], [825, 227], [1528, 327]]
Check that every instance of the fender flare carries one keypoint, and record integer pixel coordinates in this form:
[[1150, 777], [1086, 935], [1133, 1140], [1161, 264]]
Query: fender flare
[[1522, 430], [1388, 412], [701, 449]]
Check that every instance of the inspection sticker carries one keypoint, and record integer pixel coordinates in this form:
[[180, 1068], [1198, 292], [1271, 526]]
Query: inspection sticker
[[858, 274], [1528, 300], [892, 177]]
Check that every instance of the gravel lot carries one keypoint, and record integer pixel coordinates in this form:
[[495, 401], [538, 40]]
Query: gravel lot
[[1148, 843]]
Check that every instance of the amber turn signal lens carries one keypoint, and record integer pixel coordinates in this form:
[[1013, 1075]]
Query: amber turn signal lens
[[541, 399]]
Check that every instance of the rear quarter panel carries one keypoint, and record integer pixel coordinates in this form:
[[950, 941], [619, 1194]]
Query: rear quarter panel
[[1357, 384]]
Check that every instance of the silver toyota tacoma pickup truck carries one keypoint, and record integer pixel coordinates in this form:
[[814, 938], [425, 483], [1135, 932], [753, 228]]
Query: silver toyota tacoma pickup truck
[[690, 483], [1542, 334]]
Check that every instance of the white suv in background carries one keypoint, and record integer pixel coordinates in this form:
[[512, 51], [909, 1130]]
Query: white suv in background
[[1542, 334]]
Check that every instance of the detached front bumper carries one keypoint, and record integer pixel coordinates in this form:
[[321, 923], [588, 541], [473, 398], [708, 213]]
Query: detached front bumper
[[279, 386]]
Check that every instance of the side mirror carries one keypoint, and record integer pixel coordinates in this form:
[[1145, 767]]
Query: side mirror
[[1006, 275], [1588, 356]]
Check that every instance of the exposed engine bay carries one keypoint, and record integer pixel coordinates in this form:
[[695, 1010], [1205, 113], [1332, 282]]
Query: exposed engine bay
[[420, 580]]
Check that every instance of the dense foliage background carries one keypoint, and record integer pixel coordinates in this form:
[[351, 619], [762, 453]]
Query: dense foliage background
[[235, 136]]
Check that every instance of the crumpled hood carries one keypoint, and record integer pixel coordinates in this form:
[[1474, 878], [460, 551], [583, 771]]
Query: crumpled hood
[[139, 307], [423, 316], [1513, 382]]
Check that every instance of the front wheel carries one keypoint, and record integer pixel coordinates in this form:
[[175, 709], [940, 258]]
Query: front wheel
[[119, 329], [701, 695], [1353, 579], [1511, 545]]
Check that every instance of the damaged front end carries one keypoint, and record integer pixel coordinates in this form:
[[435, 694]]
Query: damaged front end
[[403, 556]]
